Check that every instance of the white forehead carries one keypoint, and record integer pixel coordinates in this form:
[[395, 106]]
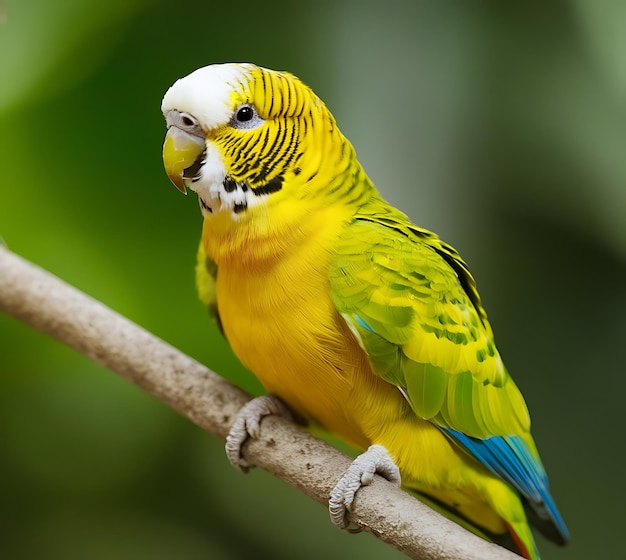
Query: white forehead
[[205, 93]]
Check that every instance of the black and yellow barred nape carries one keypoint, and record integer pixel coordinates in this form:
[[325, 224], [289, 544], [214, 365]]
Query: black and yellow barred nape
[[277, 94], [288, 115]]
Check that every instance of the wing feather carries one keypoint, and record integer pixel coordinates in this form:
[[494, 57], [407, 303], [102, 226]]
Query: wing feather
[[413, 305], [206, 276], [422, 330]]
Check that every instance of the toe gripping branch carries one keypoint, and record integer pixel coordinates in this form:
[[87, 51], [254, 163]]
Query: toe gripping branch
[[360, 473], [247, 424], [376, 460]]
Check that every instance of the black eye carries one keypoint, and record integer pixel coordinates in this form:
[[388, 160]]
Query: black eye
[[246, 117], [245, 114]]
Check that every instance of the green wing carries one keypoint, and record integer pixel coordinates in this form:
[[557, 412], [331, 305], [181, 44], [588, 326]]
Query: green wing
[[206, 276], [413, 306]]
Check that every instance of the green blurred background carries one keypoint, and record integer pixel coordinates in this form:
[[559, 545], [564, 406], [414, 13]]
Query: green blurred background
[[501, 127]]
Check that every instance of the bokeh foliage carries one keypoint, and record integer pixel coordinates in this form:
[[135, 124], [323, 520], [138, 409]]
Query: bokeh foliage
[[501, 127]]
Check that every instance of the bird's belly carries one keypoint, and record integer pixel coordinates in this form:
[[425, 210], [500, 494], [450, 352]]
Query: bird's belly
[[301, 350], [298, 347]]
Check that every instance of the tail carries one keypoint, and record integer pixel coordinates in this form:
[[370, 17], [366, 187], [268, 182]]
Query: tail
[[511, 459], [524, 541]]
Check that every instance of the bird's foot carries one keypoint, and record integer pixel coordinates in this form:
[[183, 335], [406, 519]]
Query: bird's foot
[[247, 424], [360, 473]]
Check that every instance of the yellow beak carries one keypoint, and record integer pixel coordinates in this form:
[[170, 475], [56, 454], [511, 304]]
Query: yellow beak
[[180, 151]]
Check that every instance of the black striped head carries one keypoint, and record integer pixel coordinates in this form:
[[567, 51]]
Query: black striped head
[[244, 137]]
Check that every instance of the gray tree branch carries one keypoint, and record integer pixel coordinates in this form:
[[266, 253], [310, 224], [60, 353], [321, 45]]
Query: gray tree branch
[[51, 306]]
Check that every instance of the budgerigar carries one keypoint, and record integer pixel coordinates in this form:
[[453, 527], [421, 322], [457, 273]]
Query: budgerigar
[[349, 314]]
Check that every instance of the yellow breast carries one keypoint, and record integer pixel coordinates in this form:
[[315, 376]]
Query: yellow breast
[[281, 323]]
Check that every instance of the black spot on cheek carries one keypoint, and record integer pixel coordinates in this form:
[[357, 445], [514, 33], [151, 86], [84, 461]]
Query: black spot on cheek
[[230, 185], [270, 187], [240, 207]]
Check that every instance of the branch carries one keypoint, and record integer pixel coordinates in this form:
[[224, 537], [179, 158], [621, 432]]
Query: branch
[[51, 306]]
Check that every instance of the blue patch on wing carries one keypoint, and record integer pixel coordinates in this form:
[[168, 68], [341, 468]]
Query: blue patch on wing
[[509, 459], [363, 324]]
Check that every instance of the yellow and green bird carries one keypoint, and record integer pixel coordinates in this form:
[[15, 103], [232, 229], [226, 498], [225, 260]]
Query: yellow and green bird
[[355, 318]]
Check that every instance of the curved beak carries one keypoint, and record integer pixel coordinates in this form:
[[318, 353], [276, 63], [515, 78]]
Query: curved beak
[[180, 151]]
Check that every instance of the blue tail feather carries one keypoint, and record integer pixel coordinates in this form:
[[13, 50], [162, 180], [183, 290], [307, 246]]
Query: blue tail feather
[[510, 459]]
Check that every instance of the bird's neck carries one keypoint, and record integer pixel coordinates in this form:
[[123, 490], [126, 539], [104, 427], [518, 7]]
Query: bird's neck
[[257, 238], [301, 212]]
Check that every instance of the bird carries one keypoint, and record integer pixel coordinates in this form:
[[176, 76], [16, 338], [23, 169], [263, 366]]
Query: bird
[[352, 317]]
